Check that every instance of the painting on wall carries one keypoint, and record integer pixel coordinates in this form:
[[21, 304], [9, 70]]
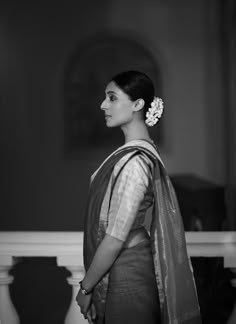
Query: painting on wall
[[92, 65]]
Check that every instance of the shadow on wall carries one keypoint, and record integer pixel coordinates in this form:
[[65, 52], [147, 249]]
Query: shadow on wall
[[91, 66], [40, 292]]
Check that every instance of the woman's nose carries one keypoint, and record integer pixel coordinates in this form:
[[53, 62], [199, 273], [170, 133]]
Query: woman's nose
[[104, 105]]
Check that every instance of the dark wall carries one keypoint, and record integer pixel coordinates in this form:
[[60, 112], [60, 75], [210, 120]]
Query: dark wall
[[41, 188], [37, 39]]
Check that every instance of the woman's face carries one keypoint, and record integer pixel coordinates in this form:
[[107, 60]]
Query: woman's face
[[117, 106]]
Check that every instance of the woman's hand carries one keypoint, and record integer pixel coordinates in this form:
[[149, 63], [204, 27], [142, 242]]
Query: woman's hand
[[91, 315], [84, 302]]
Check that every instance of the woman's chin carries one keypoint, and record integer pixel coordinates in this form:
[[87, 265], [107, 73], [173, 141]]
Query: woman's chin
[[110, 126], [109, 123]]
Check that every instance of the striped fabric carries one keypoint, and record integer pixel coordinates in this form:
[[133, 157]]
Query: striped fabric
[[132, 196]]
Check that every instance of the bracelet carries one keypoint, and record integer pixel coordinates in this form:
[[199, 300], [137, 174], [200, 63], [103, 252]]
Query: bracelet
[[84, 291]]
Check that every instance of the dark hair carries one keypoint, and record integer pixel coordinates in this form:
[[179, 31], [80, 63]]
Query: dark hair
[[136, 85]]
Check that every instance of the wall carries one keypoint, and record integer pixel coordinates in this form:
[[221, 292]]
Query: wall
[[42, 190], [185, 37]]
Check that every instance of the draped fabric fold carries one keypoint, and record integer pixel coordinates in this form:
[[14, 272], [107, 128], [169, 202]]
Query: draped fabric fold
[[175, 282], [177, 291]]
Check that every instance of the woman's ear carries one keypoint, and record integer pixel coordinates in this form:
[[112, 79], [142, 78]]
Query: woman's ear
[[139, 104]]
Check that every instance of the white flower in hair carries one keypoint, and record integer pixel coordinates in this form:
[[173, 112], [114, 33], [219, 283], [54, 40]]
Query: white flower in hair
[[154, 112]]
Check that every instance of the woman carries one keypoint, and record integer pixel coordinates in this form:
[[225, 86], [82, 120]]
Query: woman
[[131, 276]]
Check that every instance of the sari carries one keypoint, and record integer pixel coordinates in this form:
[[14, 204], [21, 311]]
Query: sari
[[174, 276]]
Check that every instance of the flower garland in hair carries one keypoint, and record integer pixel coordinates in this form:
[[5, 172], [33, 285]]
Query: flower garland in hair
[[154, 112]]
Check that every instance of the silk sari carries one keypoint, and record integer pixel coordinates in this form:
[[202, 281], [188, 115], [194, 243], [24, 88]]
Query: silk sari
[[174, 276]]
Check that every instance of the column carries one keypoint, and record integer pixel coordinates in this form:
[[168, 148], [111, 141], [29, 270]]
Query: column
[[232, 318], [73, 263], [230, 262], [8, 312]]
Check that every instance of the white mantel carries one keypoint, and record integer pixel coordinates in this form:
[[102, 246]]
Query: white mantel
[[67, 247]]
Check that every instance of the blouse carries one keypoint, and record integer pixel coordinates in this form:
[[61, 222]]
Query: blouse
[[131, 198]]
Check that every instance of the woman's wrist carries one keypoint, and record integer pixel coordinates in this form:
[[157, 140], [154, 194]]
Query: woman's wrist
[[84, 290]]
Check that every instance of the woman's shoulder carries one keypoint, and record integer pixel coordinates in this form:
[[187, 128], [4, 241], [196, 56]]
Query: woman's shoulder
[[135, 162]]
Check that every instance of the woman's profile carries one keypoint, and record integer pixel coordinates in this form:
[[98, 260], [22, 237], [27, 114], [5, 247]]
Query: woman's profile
[[135, 275]]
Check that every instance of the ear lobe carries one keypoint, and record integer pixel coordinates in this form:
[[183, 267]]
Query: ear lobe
[[139, 104]]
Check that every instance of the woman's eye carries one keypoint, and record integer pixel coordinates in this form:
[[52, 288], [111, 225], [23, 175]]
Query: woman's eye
[[112, 98]]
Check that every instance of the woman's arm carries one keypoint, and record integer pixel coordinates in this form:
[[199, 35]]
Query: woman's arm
[[106, 253]]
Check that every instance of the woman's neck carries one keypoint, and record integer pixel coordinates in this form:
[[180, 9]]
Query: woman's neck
[[135, 131]]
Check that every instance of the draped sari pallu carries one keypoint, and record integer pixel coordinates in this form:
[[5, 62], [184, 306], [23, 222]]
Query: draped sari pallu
[[174, 276]]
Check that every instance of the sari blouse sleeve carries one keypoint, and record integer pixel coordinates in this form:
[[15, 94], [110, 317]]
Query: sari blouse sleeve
[[128, 193]]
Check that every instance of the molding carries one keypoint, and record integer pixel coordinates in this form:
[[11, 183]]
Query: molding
[[211, 244], [65, 245], [41, 243]]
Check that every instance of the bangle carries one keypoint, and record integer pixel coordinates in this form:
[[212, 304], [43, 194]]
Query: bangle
[[84, 291]]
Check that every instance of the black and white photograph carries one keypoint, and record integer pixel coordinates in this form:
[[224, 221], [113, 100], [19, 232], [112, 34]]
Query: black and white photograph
[[118, 162]]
